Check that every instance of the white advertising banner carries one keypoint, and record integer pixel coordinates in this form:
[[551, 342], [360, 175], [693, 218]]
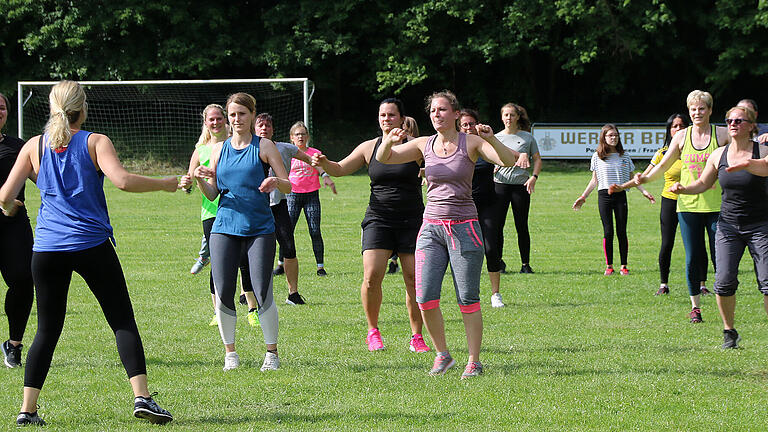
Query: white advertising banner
[[579, 141]]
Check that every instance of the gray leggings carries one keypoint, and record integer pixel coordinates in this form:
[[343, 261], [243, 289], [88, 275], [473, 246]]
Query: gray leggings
[[226, 253], [458, 243], [730, 241]]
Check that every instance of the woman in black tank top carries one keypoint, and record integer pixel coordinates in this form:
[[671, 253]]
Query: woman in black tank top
[[742, 168], [391, 223]]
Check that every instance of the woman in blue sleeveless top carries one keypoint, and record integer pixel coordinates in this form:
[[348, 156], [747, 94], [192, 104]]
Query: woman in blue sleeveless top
[[244, 223], [73, 233]]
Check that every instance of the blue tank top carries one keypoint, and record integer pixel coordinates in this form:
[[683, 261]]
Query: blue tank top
[[243, 209], [73, 211]]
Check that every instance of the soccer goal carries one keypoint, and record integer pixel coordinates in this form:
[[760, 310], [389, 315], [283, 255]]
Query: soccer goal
[[161, 120]]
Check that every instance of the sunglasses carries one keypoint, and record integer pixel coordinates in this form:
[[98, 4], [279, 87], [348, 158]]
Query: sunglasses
[[736, 122]]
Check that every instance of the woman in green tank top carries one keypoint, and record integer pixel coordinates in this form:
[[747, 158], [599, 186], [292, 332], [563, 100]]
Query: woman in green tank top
[[696, 213]]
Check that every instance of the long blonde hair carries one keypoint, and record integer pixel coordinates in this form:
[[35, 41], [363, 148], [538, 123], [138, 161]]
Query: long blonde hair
[[67, 103], [206, 137]]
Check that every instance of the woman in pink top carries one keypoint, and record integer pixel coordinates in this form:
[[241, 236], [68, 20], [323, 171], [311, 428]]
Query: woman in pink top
[[450, 232], [305, 184]]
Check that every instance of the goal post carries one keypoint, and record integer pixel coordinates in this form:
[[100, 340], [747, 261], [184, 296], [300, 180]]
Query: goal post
[[161, 119]]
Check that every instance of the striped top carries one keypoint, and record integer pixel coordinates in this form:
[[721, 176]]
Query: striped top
[[614, 169]]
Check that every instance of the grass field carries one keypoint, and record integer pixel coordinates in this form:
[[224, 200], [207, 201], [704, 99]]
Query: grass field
[[573, 350]]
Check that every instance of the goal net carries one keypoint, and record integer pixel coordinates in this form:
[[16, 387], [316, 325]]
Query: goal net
[[161, 120]]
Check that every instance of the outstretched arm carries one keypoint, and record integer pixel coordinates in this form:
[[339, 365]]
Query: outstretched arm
[[758, 167], [21, 170], [590, 187], [406, 152], [705, 180], [350, 164], [491, 149], [270, 155], [105, 159]]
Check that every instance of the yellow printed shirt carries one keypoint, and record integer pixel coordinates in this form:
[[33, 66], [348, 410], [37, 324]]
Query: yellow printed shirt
[[694, 162], [671, 176]]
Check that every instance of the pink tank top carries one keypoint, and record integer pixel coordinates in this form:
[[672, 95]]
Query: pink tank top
[[449, 190], [303, 176]]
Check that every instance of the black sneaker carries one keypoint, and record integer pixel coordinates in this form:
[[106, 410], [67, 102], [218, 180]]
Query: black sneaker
[[12, 354], [731, 339], [278, 271], [392, 267], [503, 267], [321, 272], [243, 301], [26, 418], [695, 315], [295, 299], [148, 409], [526, 269], [705, 291]]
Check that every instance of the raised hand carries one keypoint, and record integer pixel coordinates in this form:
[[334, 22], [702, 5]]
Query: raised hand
[[204, 172], [394, 136], [614, 188], [485, 131], [677, 188]]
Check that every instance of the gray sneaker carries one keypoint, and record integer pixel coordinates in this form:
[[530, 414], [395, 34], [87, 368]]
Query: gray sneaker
[[26, 418], [271, 362], [473, 369], [148, 409], [731, 339], [200, 262], [443, 362], [12, 354]]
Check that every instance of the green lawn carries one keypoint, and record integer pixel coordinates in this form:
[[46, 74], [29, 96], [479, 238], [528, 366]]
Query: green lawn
[[573, 350]]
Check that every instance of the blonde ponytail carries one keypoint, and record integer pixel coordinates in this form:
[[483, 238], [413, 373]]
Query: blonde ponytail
[[67, 104]]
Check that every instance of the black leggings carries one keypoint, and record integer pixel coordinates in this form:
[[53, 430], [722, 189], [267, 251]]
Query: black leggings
[[520, 200], [16, 268], [310, 202], [284, 229], [100, 268], [245, 276], [611, 205], [485, 215]]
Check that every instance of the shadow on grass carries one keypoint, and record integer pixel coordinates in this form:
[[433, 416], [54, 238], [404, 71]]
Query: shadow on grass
[[333, 418]]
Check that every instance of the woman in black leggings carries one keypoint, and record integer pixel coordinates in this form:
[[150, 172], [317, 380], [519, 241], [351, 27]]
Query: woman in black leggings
[[73, 234], [15, 262]]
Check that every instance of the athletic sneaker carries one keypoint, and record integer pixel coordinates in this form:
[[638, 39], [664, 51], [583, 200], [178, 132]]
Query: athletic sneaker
[[278, 271], [243, 301], [392, 267], [26, 418], [496, 300], [526, 269], [472, 370], [374, 340], [443, 362], [200, 262], [148, 409], [295, 299], [417, 344], [321, 272], [731, 339], [663, 290], [705, 291], [624, 271], [608, 271], [231, 361], [12, 354], [253, 318], [214, 321], [695, 315], [271, 362]]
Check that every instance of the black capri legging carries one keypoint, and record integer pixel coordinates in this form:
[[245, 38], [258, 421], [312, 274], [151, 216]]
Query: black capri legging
[[310, 202], [100, 268], [516, 196], [668, 221], [485, 215], [610, 206], [284, 229], [15, 266]]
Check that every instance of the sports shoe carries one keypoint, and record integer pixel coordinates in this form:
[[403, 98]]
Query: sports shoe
[[624, 271], [374, 340], [278, 271], [705, 291], [231, 361], [12, 354], [271, 362], [253, 318], [609, 271], [443, 362], [321, 272], [243, 301], [295, 299], [148, 409], [526, 269], [26, 418], [214, 321], [472, 370], [392, 267], [200, 262], [695, 315], [731, 339], [663, 290], [496, 300], [417, 344]]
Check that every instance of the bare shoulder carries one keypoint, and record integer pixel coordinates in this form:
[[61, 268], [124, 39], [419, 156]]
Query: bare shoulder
[[722, 135]]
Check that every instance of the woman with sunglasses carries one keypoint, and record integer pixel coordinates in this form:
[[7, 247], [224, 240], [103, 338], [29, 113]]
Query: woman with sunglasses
[[742, 168]]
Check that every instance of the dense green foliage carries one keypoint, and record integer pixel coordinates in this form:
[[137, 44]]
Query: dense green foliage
[[566, 60], [573, 350]]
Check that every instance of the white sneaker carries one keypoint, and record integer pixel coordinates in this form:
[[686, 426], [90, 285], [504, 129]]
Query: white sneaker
[[200, 262], [231, 361], [496, 300], [271, 362]]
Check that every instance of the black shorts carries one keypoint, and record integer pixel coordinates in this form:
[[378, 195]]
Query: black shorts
[[399, 237]]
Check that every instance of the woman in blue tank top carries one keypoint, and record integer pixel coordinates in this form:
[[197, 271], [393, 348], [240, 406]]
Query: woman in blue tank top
[[73, 233], [237, 175]]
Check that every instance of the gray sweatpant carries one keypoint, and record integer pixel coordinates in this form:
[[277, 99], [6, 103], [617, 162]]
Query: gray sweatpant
[[730, 241]]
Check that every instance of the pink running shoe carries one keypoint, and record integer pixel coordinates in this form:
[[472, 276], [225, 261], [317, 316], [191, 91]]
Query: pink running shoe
[[417, 344], [608, 271], [374, 340], [624, 271]]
